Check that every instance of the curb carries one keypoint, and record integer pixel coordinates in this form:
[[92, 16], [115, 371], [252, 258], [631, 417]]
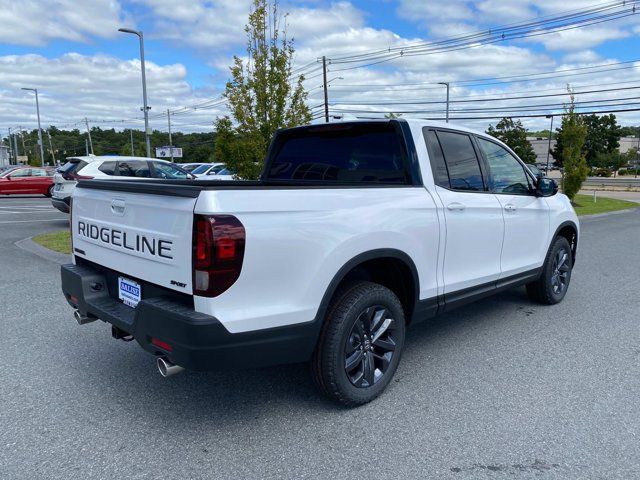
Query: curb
[[32, 247], [607, 214]]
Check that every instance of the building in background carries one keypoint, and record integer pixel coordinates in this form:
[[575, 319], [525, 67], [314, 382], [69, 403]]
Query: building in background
[[4, 155], [540, 146]]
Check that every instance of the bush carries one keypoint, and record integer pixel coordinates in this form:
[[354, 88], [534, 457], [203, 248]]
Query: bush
[[622, 172], [602, 172]]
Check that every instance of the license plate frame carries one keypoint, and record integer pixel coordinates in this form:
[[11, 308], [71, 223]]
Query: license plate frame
[[129, 291]]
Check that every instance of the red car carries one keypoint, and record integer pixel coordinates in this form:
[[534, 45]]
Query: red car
[[24, 180]]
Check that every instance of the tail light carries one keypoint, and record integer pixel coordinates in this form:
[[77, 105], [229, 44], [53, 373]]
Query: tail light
[[218, 252]]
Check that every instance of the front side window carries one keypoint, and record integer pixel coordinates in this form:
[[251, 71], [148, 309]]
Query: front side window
[[21, 172], [506, 173], [462, 161], [169, 171]]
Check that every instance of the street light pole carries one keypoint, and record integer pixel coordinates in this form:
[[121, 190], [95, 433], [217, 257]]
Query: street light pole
[[170, 140], [447, 85], [144, 86], [39, 127], [549, 144], [326, 92]]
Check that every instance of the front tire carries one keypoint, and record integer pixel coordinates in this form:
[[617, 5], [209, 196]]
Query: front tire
[[360, 345], [553, 283]]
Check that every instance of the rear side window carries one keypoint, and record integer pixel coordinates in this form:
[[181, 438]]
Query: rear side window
[[133, 168], [462, 161], [38, 172], [108, 168], [436, 157], [364, 152]]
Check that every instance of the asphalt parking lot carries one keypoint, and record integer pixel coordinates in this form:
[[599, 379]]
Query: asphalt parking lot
[[501, 389]]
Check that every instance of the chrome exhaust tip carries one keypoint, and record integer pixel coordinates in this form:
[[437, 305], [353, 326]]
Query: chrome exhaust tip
[[83, 319], [166, 368]]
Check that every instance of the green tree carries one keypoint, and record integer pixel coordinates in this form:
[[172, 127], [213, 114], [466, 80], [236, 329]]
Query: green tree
[[515, 136], [603, 136], [261, 95], [574, 133]]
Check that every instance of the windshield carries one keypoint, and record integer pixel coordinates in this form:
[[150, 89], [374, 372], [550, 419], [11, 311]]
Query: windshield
[[7, 172], [201, 169], [167, 170]]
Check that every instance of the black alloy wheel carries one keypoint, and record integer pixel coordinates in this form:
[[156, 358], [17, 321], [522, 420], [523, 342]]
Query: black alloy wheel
[[370, 346]]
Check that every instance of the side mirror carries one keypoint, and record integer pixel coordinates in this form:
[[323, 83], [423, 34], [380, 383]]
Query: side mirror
[[546, 187]]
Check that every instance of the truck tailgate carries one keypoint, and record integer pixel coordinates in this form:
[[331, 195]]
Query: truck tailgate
[[141, 235]]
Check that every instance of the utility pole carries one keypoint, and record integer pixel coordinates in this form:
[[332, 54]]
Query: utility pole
[[53, 155], [326, 87], [133, 152], [15, 147], [39, 128], [10, 146], [549, 144], [447, 85], [86, 146], [170, 140], [89, 134], [24, 148], [144, 86]]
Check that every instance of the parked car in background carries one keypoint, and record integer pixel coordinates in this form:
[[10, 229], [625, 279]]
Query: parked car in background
[[25, 180], [208, 169], [535, 170], [223, 174], [190, 167], [85, 168]]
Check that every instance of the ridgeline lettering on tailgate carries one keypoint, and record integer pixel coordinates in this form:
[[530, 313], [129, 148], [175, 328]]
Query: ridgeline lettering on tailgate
[[118, 238]]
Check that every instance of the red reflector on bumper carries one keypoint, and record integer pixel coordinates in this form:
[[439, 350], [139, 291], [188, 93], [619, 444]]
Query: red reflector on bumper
[[161, 344]]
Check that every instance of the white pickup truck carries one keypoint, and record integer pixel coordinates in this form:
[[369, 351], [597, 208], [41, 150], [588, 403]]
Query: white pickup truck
[[355, 231]]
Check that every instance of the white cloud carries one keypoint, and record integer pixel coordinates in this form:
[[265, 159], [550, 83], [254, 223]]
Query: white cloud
[[75, 86], [579, 39], [36, 22]]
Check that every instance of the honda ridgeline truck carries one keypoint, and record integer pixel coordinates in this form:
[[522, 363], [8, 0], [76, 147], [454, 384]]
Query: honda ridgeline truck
[[354, 232]]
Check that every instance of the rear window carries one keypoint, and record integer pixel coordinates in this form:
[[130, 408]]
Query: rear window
[[72, 166], [367, 152]]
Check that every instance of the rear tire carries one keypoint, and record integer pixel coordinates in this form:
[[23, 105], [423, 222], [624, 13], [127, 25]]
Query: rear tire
[[49, 193], [360, 345], [554, 280]]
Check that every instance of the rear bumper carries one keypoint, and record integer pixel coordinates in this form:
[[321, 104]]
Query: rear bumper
[[198, 341], [61, 204]]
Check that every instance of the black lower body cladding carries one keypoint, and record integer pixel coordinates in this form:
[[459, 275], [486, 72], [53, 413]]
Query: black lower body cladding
[[197, 341]]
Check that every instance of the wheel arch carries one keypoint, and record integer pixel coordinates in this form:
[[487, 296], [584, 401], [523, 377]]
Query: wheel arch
[[568, 230], [397, 267]]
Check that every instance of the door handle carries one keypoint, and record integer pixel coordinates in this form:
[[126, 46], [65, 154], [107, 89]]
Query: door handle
[[510, 207], [456, 206]]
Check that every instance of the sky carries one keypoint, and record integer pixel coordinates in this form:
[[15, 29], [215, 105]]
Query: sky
[[72, 52]]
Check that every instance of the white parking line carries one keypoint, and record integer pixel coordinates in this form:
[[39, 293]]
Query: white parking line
[[61, 219]]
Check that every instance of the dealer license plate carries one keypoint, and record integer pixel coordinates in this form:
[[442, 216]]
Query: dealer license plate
[[129, 292]]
